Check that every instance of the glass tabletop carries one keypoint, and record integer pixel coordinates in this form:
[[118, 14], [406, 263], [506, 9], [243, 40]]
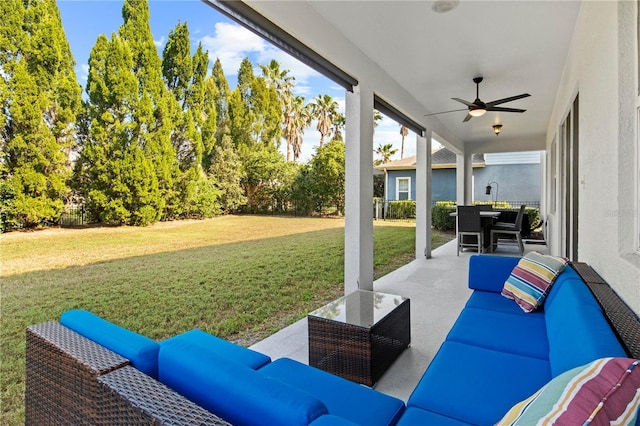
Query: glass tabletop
[[362, 308]]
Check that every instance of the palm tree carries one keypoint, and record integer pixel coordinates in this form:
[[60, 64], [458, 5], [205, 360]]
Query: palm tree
[[404, 132], [324, 110], [284, 84], [296, 123], [377, 116], [384, 151], [339, 122]]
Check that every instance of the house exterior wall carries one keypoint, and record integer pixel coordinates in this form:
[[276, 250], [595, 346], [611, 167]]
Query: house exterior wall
[[601, 68], [516, 182], [392, 175]]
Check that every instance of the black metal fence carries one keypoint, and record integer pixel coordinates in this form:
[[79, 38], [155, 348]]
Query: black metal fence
[[74, 216], [406, 209]]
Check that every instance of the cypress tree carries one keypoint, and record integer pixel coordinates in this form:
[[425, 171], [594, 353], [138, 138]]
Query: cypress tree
[[227, 173], [222, 99], [121, 185], [152, 117], [39, 97]]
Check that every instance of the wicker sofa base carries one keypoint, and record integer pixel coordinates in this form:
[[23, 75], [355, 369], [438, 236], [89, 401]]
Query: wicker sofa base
[[72, 380]]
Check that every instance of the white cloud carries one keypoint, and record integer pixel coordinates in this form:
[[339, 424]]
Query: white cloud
[[231, 44], [159, 42], [82, 70]]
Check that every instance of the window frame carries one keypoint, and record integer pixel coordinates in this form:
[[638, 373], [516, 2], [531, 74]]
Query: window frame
[[408, 191]]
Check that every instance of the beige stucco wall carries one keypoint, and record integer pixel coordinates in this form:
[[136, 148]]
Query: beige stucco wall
[[601, 69]]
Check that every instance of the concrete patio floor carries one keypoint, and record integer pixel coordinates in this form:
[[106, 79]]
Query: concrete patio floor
[[438, 291]]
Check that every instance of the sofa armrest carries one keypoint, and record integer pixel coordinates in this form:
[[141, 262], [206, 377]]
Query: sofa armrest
[[132, 396], [488, 273]]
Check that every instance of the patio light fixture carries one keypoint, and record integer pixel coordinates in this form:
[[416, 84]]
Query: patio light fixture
[[497, 128], [488, 190]]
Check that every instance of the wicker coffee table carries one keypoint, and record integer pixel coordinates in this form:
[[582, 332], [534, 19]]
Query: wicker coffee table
[[360, 335]]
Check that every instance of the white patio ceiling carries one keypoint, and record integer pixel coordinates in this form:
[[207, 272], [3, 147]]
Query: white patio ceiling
[[428, 58]]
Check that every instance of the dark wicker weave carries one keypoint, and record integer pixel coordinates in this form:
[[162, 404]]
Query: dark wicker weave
[[623, 320], [73, 380], [360, 354], [138, 399], [62, 370]]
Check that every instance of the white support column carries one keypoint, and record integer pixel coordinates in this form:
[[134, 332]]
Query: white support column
[[464, 179], [358, 229], [423, 196]]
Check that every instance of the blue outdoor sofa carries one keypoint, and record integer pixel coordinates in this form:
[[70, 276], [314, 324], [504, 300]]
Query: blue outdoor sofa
[[495, 356]]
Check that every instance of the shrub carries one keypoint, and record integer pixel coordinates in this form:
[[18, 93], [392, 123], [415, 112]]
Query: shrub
[[404, 209], [441, 216]]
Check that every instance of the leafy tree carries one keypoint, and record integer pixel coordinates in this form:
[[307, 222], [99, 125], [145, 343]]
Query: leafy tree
[[385, 152], [39, 97], [227, 173], [209, 123], [265, 106], [283, 84], [152, 112], [201, 101], [323, 109], [263, 179], [222, 99], [328, 171], [187, 106], [117, 178]]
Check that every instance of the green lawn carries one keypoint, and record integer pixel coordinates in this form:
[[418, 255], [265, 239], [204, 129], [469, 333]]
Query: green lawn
[[238, 277]]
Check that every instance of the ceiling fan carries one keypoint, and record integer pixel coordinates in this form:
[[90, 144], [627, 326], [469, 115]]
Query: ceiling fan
[[478, 108]]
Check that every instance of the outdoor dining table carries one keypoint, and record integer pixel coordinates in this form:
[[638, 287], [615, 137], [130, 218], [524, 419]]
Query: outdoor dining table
[[487, 217]]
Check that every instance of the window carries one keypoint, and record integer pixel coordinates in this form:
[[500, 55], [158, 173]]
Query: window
[[403, 188]]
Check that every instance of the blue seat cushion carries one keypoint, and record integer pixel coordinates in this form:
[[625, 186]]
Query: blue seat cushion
[[342, 398], [518, 334], [497, 302], [234, 391], [414, 416], [331, 420], [140, 350], [477, 385], [216, 347]]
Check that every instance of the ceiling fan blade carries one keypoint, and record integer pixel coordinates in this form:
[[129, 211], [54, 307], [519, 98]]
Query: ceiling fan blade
[[467, 118], [505, 100], [467, 103], [505, 109], [444, 112]]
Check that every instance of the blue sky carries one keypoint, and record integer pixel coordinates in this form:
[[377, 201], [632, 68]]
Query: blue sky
[[85, 20]]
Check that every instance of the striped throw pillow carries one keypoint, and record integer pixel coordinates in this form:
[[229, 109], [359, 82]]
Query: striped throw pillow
[[603, 392], [532, 278]]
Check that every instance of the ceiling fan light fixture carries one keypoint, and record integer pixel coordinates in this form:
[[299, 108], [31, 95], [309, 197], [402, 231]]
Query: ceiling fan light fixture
[[497, 128], [477, 112]]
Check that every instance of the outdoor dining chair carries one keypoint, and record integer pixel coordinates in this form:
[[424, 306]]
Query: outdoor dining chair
[[507, 228], [469, 223]]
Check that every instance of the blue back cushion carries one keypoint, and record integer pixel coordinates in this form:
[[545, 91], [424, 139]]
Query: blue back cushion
[[577, 329], [234, 391], [220, 348], [140, 350], [567, 274]]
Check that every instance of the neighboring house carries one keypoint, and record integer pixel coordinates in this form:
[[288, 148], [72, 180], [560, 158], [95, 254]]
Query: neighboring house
[[518, 176]]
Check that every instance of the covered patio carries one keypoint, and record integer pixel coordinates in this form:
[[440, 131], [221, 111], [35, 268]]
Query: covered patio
[[578, 61], [438, 291]]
